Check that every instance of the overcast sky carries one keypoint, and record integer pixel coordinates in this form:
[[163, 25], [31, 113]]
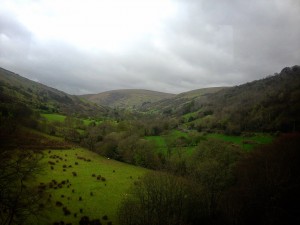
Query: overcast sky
[[91, 46]]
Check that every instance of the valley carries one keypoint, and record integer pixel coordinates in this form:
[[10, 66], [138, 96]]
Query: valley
[[141, 157]]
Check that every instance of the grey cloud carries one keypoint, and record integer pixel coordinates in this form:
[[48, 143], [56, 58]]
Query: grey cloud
[[210, 43]]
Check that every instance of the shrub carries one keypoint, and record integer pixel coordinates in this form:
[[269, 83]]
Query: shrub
[[105, 217], [58, 204], [66, 211]]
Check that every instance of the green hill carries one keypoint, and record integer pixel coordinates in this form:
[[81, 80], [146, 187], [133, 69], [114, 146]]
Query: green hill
[[127, 98], [177, 103], [269, 104], [16, 88]]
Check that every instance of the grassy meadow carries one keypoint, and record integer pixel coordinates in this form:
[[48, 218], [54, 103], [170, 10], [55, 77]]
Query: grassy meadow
[[53, 117], [85, 184], [246, 143]]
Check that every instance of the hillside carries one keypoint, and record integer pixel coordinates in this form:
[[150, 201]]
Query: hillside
[[178, 104], [18, 89], [100, 197], [269, 104], [127, 98]]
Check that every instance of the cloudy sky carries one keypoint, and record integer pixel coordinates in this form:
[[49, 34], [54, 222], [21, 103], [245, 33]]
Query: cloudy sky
[[91, 46]]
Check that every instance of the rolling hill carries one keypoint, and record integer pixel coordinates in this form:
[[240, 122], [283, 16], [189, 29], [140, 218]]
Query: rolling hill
[[15, 88], [177, 103], [269, 104], [127, 98]]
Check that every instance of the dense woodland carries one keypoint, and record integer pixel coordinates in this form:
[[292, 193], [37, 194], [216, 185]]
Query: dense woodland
[[192, 179]]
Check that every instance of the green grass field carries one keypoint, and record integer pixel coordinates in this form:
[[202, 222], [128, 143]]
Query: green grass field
[[99, 198], [246, 143], [161, 142], [54, 117], [89, 121], [61, 118]]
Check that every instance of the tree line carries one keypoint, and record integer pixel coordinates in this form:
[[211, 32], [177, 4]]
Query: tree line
[[222, 186]]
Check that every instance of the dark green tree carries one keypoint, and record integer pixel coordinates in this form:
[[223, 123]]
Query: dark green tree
[[159, 199], [18, 201]]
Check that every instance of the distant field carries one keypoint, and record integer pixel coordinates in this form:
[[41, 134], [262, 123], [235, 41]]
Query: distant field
[[161, 142], [54, 117], [246, 143], [61, 118], [99, 198]]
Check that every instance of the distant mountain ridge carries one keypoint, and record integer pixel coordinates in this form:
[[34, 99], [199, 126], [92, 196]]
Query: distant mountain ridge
[[177, 103], [127, 98]]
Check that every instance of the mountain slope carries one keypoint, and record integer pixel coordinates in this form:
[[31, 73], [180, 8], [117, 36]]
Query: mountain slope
[[42, 97], [181, 103], [127, 98], [269, 104]]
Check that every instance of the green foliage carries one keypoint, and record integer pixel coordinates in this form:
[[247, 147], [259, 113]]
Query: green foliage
[[54, 117], [159, 142], [267, 186], [211, 167], [158, 199], [18, 200], [247, 142]]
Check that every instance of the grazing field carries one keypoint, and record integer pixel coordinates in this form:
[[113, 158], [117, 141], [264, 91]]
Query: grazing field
[[81, 183], [246, 143], [61, 118], [161, 143], [54, 117]]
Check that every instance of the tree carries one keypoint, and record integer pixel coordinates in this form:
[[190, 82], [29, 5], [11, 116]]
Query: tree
[[212, 168], [138, 151], [93, 135], [17, 200], [145, 155], [109, 146], [267, 186], [159, 199]]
